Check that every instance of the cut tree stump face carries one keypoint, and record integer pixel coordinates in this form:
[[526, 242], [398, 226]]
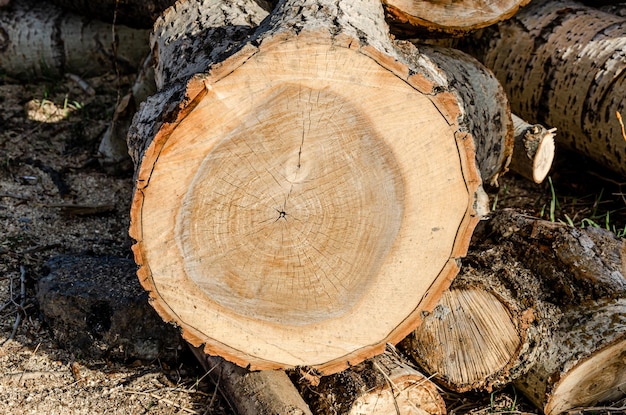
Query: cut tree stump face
[[452, 16], [599, 379], [303, 214]]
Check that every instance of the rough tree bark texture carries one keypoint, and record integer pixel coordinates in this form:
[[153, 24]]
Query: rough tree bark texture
[[279, 227], [437, 18], [487, 327], [583, 363], [38, 39], [384, 384], [554, 297], [563, 64], [139, 14]]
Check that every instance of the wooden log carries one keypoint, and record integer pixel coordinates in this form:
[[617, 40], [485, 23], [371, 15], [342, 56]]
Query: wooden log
[[583, 363], [266, 392], [268, 233], [528, 54], [440, 18], [39, 39], [113, 150], [575, 265], [534, 150], [486, 327], [384, 384], [537, 303]]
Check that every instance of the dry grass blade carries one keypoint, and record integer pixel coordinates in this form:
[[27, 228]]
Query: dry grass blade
[[21, 306], [621, 123]]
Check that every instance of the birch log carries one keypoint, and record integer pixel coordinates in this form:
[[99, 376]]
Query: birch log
[[384, 384], [478, 88], [139, 14], [38, 39], [563, 65], [268, 392]]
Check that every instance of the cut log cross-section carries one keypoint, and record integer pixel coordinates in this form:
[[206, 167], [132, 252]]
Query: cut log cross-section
[[534, 150], [304, 197], [436, 17], [384, 384]]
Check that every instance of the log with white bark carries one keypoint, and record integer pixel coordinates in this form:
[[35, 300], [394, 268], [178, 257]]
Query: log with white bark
[[562, 64], [384, 384], [534, 148], [39, 39], [447, 18], [536, 303], [266, 392], [291, 185], [583, 364]]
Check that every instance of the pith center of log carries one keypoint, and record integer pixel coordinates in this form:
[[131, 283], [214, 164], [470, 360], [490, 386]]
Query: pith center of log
[[291, 215]]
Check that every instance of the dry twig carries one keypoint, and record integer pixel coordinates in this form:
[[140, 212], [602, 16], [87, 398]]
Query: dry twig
[[20, 306]]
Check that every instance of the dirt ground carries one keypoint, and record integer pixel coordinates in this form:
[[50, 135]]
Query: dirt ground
[[49, 134]]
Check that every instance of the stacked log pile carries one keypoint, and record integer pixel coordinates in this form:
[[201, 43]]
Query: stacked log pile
[[538, 303], [307, 186]]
